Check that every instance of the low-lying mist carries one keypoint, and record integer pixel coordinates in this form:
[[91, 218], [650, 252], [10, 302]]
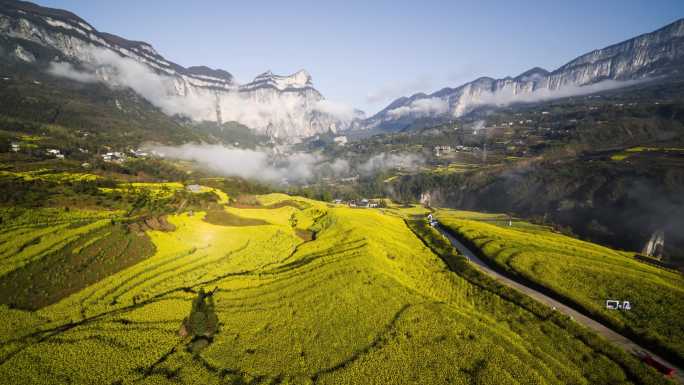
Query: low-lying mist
[[461, 104], [164, 91], [511, 96], [274, 165]]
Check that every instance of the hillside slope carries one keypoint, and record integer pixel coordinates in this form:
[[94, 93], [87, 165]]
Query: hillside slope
[[354, 305], [649, 56], [279, 106], [585, 274]]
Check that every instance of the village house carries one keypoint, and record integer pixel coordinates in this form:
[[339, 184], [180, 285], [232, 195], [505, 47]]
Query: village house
[[15, 147], [439, 150], [363, 203], [55, 152], [138, 153], [114, 156], [340, 140], [194, 188]]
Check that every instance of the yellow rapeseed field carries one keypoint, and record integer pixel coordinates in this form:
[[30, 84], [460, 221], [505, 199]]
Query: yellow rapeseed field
[[363, 302]]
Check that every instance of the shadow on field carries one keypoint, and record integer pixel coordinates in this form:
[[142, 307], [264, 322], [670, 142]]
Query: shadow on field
[[221, 217]]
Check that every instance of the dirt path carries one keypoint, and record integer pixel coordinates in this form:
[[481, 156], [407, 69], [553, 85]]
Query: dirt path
[[607, 333]]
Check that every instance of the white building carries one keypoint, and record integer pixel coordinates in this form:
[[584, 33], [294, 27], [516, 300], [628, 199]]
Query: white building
[[439, 150], [114, 156], [340, 140], [55, 152], [194, 188], [139, 153]]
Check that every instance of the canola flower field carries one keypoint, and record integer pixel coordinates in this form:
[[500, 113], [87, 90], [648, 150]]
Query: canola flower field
[[583, 273], [49, 175], [364, 301]]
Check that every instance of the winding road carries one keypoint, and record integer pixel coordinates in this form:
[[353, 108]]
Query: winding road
[[607, 333]]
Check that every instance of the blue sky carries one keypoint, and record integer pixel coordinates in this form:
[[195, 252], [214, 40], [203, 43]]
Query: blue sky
[[367, 53]]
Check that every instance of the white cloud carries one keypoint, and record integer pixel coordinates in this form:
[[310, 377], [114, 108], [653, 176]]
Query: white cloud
[[280, 113], [421, 107], [274, 166], [263, 165], [66, 70], [339, 110], [158, 89], [340, 167], [474, 98], [506, 97], [384, 161], [397, 89]]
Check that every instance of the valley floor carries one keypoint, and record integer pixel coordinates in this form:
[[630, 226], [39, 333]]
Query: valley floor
[[590, 323], [306, 292], [581, 274]]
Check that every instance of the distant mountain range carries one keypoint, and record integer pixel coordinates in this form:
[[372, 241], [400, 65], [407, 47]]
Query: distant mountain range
[[279, 106], [658, 53], [65, 45]]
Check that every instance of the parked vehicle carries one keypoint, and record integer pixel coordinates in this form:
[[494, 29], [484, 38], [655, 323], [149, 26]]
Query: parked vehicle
[[657, 365]]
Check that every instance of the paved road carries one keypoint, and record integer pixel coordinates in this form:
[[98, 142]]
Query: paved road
[[598, 327]]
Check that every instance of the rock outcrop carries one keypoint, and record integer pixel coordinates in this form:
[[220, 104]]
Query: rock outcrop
[[651, 55]]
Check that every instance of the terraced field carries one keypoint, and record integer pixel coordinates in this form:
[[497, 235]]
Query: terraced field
[[49, 175], [584, 274], [363, 300]]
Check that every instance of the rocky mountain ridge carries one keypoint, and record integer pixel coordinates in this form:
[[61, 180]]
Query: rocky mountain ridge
[[280, 106], [650, 55]]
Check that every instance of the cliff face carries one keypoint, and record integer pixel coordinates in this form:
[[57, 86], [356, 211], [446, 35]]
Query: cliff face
[[650, 55], [285, 106]]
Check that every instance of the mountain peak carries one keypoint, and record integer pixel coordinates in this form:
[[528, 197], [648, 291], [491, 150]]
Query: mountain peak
[[210, 72], [271, 104], [25, 8], [647, 56], [532, 74], [298, 80]]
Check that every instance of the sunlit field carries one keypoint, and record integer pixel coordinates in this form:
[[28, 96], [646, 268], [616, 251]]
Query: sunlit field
[[362, 300], [584, 273]]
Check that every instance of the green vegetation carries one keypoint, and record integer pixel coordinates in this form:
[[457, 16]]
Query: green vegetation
[[202, 323], [584, 274], [648, 152], [50, 175], [455, 168], [77, 261], [442, 247], [364, 300], [104, 265]]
